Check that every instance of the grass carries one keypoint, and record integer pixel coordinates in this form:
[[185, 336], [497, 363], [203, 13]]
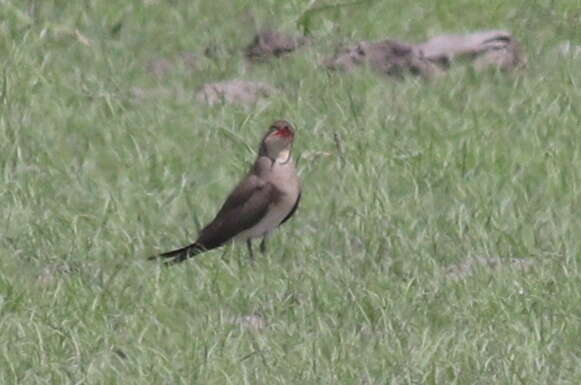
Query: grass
[[354, 290]]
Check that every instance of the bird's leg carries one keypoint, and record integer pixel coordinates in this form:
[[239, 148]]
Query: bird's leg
[[249, 246], [263, 246]]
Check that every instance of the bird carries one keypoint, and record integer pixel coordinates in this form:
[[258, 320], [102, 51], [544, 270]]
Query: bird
[[264, 199]]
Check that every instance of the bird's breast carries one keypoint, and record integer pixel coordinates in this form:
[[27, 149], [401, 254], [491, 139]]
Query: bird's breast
[[285, 181], [284, 177]]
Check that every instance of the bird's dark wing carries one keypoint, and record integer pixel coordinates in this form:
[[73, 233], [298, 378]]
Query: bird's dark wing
[[245, 207], [292, 212]]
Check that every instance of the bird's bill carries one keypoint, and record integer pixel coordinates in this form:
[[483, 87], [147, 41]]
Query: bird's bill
[[281, 128], [278, 140], [285, 132]]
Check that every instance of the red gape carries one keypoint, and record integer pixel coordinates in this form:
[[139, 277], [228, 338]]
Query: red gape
[[285, 132]]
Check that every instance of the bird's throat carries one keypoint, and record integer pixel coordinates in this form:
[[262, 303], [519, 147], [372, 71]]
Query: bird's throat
[[283, 157]]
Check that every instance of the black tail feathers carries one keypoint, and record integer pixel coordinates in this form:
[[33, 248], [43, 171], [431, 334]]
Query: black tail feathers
[[179, 255]]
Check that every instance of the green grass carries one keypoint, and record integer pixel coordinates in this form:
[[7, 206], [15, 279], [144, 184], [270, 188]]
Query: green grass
[[354, 290]]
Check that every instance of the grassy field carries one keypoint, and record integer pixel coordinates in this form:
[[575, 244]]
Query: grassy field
[[406, 184]]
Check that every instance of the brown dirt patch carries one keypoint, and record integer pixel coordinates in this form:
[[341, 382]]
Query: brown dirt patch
[[269, 44], [235, 92]]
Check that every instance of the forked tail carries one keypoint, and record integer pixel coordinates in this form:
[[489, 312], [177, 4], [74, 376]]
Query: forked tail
[[179, 255]]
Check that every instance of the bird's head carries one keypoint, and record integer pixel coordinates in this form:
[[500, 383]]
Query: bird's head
[[278, 141]]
